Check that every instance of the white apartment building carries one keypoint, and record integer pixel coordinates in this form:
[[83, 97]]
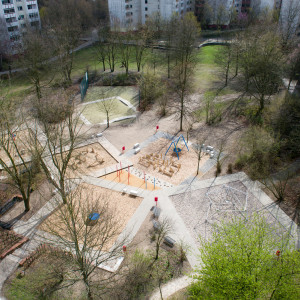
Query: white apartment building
[[133, 12], [16, 15]]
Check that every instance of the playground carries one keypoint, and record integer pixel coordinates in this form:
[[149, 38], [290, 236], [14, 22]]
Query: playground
[[129, 93], [130, 179], [117, 208], [163, 160], [21, 139], [202, 208], [95, 112], [88, 159]]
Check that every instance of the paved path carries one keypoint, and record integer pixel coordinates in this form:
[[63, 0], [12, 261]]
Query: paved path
[[180, 234]]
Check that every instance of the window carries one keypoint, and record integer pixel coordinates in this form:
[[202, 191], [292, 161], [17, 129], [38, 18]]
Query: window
[[31, 6], [146, 8], [12, 29], [9, 10], [14, 38], [146, 16], [146, 1], [21, 17], [23, 25], [9, 20], [7, 1], [33, 15], [20, 8]]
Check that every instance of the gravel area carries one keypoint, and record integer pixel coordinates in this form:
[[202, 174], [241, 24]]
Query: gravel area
[[203, 208]]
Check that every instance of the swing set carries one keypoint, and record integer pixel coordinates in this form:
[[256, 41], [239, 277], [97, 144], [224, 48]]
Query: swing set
[[175, 143]]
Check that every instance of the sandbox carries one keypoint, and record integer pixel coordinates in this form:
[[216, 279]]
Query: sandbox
[[22, 140], [180, 169], [119, 206], [122, 177], [88, 159]]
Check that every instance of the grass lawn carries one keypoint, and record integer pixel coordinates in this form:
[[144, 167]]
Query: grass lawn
[[96, 114], [129, 93]]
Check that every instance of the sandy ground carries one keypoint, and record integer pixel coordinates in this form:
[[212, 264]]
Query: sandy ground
[[132, 181], [187, 160], [114, 207], [89, 159], [22, 142]]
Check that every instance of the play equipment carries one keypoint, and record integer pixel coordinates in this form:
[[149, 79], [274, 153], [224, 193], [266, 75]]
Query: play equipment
[[175, 143], [93, 218], [84, 85]]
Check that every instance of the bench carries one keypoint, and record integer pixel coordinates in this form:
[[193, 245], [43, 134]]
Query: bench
[[169, 241], [156, 212], [156, 225], [137, 145], [137, 150], [133, 193]]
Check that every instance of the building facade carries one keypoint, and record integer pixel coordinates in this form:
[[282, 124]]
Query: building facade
[[128, 13], [16, 16]]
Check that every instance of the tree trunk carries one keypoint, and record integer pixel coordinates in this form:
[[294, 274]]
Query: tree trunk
[[107, 118], [199, 158], [181, 112], [168, 66], [103, 63], [26, 203]]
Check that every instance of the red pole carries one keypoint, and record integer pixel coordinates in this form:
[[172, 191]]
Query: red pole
[[121, 166], [128, 175]]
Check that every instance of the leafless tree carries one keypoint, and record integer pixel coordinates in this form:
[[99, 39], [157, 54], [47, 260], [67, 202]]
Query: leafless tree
[[13, 151], [63, 21], [4, 41], [88, 228], [165, 227], [107, 106], [187, 32], [289, 21], [125, 47], [60, 140], [36, 51]]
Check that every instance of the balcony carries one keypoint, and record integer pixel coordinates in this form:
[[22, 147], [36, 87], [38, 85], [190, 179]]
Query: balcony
[[8, 16]]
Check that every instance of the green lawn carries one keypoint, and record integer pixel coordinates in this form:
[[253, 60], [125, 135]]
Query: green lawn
[[129, 93], [96, 114]]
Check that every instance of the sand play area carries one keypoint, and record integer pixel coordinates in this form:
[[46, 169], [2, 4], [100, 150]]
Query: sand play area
[[132, 180], [114, 208], [21, 138], [153, 161], [88, 159]]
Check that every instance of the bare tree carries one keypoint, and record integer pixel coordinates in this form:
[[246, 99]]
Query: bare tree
[[260, 63], [142, 40], [35, 53], [59, 142], [63, 21], [13, 151], [87, 226], [186, 35], [4, 41], [164, 227], [125, 47], [289, 21], [107, 106]]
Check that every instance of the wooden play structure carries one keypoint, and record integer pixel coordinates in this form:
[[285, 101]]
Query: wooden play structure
[[164, 166], [87, 157]]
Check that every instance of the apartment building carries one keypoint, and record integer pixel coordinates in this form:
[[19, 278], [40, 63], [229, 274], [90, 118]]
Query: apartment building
[[16, 15], [133, 12]]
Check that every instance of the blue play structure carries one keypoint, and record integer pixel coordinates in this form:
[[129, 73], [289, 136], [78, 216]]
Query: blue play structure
[[175, 142], [94, 216]]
